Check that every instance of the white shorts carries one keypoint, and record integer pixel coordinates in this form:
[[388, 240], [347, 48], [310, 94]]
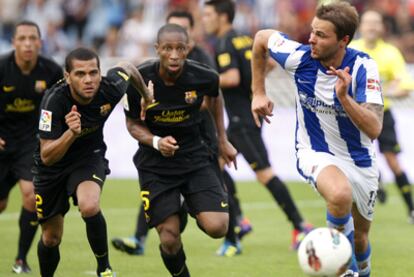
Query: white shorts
[[364, 181]]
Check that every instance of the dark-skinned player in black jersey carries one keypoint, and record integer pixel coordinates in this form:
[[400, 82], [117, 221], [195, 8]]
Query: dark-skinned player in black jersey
[[135, 245], [70, 157], [24, 77], [173, 160], [233, 53]]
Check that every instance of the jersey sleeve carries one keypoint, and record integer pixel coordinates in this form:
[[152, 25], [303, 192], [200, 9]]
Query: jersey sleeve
[[214, 88], [283, 50], [368, 86], [119, 82], [227, 58], [400, 72], [132, 103], [52, 119]]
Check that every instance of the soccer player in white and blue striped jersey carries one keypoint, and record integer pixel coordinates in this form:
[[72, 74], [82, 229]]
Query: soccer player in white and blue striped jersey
[[339, 111]]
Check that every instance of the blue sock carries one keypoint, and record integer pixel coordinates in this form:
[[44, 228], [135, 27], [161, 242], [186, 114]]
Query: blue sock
[[364, 262], [346, 226]]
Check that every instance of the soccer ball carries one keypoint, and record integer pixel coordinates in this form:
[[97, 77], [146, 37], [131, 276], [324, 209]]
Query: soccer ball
[[324, 252]]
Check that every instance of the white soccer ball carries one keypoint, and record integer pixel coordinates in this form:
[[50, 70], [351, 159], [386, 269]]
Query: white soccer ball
[[324, 252]]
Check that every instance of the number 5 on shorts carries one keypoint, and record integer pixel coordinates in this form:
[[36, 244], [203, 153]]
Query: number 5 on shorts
[[145, 199], [39, 202]]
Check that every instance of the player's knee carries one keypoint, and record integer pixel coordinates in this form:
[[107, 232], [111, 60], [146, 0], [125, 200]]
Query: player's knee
[[170, 239], [29, 201], [51, 239], [217, 228], [89, 208], [341, 197]]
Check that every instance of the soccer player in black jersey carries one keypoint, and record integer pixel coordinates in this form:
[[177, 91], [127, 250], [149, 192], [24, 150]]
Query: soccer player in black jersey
[[173, 159], [233, 53], [70, 158], [135, 245], [24, 77]]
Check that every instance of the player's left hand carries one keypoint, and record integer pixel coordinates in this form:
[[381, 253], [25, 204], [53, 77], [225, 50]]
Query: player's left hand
[[228, 153], [150, 100], [262, 106], [343, 82]]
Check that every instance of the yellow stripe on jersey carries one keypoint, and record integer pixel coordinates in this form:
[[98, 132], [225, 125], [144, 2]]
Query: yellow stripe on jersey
[[123, 75]]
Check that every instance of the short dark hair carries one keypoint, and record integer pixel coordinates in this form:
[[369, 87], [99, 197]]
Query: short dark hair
[[223, 7], [26, 23], [342, 15], [182, 14], [171, 28], [81, 53]]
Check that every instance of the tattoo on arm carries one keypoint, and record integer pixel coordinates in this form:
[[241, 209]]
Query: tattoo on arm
[[377, 109]]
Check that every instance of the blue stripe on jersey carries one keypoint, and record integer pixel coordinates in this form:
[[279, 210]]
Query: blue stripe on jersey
[[352, 137], [305, 79], [279, 57], [361, 79]]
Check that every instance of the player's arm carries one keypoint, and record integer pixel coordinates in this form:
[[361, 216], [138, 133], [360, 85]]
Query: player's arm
[[138, 130], [230, 78], [366, 116], [261, 104], [136, 80], [216, 108], [53, 150]]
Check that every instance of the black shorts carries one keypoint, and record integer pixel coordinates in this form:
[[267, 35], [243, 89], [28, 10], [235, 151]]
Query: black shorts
[[53, 191], [161, 194], [15, 166], [387, 140], [248, 141]]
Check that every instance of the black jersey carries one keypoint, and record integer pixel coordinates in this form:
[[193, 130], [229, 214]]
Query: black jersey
[[176, 113], [20, 97], [201, 56], [58, 102], [234, 51]]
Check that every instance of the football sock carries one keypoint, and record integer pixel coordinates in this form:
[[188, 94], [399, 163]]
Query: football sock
[[282, 196], [28, 227], [346, 226], [48, 259], [175, 263], [141, 230], [231, 189], [405, 189], [364, 262], [231, 232], [97, 237]]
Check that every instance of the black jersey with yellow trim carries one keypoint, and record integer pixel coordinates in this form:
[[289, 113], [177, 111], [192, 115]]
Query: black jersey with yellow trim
[[20, 97], [234, 50], [58, 102], [176, 112]]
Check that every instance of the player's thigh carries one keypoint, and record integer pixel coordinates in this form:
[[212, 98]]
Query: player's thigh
[[204, 192], [7, 182], [249, 142], [160, 195], [51, 195], [28, 195], [88, 194]]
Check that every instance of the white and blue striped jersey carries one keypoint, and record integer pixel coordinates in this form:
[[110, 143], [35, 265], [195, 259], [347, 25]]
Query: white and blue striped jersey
[[322, 124]]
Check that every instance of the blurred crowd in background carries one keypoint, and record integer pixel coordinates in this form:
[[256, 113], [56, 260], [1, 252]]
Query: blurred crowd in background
[[127, 28]]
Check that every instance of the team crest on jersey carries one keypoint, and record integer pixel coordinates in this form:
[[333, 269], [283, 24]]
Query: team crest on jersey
[[190, 96], [45, 122], [40, 86], [105, 109]]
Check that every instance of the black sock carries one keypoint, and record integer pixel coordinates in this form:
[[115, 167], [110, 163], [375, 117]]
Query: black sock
[[405, 189], [231, 189], [48, 259], [141, 229], [282, 196], [28, 227], [231, 232], [98, 240], [175, 263]]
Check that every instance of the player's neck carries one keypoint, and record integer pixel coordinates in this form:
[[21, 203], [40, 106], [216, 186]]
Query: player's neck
[[223, 30], [335, 60], [25, 66], [167, 78]]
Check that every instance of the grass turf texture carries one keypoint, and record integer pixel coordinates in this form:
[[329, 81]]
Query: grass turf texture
[[265, 251]]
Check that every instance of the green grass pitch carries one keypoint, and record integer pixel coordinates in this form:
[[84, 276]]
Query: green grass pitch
[[265, 251]]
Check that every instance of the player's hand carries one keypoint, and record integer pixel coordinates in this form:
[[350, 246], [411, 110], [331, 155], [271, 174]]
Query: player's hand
[[2, 144], [144, 104], [228, 153], [167, 146], [73, 121], [261, 107], [343, 82]]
